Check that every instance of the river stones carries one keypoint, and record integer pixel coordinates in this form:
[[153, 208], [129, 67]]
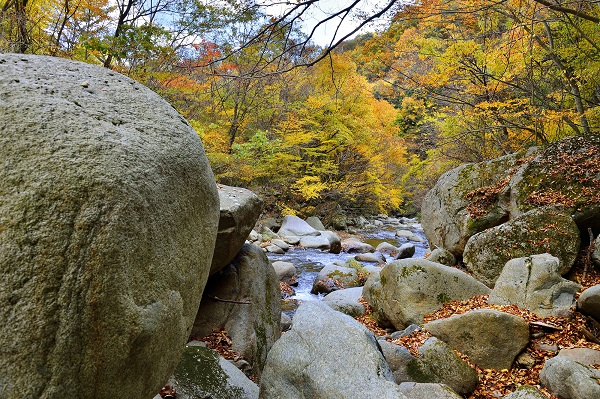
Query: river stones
[[108, 215]]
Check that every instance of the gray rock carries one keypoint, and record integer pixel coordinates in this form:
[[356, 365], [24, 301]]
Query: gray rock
[[253, 236], [545, 229], [406, 250], [346, 301], [243, 299], [335, 242], [326, 354], [409, 235], [596, 253], [203, 373], [286, 322], [535, 283], [589, 302], [334, 277], [440, 255], [568, 379], [317, 242], [109, 215], [286, 272], [373, 295], [490, 338], [239, 210], [274, 249], [387, 249], [447, 222], [526, 392], [437, 363], [315, 223], [281, 244], [409, 289], [415, 390], [354, 245], [292, 240], [585, 356], [371, 257], [294, 226]]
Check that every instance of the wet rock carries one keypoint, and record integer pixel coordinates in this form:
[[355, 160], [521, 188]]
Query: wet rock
[[203, 373]]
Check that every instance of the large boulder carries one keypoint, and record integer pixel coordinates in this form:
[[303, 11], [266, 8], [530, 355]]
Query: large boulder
[[589, 302], [534, 283], [492, 339], [546, 229], [240, 209], [449, 217], [409, 289], [203, 373], [109, 216], [566, 172], [436, 363], [568, 379], [243, 299], [296, 227], [326, 354]]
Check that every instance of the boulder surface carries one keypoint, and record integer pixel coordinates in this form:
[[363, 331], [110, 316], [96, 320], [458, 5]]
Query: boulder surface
[[535, 283], [546, 229], [490, 338], [409, 289], [239, 211], [243, 299], [326, 354], [109, 215]]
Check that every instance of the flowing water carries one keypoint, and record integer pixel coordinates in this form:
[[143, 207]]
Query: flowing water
[[309, 262]]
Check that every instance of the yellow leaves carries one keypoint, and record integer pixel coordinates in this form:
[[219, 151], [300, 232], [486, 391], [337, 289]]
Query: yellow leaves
[[309, 187]]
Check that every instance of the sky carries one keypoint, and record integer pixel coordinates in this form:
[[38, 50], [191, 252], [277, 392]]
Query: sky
[[323, 8]]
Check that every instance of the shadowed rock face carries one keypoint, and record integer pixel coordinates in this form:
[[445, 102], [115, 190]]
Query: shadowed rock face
[[108, 218]]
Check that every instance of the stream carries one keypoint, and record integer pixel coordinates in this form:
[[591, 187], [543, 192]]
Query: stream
[[309, 262]]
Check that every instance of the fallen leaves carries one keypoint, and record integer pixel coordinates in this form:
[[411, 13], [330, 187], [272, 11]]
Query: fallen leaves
[[548, 336]]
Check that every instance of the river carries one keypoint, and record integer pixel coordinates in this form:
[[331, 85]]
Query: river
[[309, 262]]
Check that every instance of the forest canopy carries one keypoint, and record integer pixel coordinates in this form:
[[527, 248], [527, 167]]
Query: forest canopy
[[366, 124]]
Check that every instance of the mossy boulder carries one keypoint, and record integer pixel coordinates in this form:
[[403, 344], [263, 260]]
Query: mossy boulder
[[335, 277], [203, 373], [409, 289], [459, 205], [436, 363], [544, 230], [565, 173]]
